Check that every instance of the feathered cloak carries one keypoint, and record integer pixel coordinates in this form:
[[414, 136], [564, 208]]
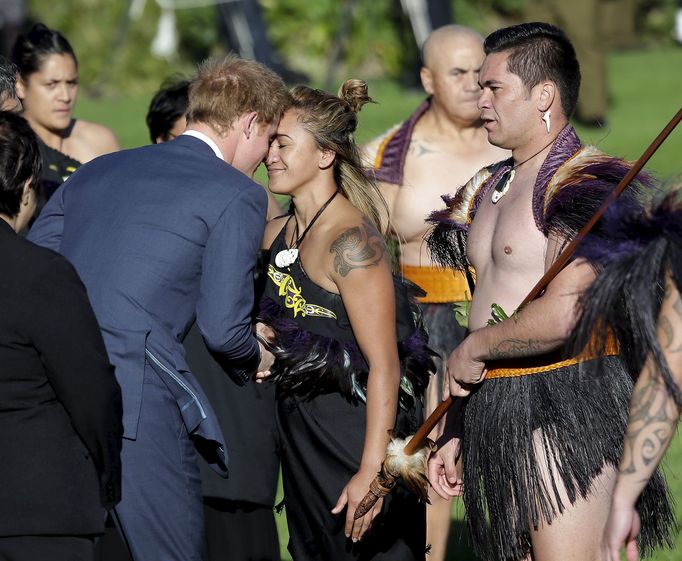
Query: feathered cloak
[[639, 250]]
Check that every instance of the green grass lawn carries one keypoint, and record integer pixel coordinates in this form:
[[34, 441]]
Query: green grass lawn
[[645, 89]]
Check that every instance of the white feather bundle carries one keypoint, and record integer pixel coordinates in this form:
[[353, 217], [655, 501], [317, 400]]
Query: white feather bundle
[[411, 469]]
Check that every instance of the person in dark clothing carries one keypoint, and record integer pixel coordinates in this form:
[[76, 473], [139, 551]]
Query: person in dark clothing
[[60, 404], [351, 361]]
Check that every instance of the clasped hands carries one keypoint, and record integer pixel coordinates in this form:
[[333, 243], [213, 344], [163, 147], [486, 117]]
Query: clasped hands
[[264, 333]]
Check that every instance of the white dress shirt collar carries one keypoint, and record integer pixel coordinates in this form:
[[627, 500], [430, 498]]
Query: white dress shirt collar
[[208, 140]]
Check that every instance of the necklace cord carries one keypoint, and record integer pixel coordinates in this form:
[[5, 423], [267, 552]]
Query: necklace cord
[[507, 177], [297, 241], [536, 153]]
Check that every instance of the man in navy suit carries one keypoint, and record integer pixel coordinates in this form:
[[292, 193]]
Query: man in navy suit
[[162, 235]]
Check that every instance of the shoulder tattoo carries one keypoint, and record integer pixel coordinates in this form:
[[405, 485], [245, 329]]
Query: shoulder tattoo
[[359, 247]]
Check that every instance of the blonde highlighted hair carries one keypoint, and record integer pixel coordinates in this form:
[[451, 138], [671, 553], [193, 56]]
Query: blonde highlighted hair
[[332, 120], [226, 88]]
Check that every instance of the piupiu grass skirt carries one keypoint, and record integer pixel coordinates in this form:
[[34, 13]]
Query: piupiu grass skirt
[[573, 418]]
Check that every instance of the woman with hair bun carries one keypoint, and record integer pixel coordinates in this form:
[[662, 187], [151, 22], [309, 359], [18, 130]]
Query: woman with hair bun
[[47, 87], [351, 360]]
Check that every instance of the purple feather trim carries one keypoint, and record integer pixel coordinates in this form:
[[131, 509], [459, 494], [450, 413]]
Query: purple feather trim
[[565, 145], [443, 217], [627, 230], [309, 364], [392, 162]]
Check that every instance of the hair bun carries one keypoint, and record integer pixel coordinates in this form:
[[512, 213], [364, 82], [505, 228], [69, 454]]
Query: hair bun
[[354, 93]]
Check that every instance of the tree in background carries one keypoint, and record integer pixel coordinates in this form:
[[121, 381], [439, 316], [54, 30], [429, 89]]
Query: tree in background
[[363, 37]]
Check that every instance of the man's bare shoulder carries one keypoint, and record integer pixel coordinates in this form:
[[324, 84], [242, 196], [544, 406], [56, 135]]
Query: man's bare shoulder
[[370, 150]]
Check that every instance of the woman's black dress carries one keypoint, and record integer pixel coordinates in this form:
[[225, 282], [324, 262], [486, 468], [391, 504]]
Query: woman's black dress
[[321, 382]]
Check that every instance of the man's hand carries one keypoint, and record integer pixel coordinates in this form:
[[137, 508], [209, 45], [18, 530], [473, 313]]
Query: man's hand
[[264, 333], [463, 369], [266, 361], [622, 528], [443, 469]]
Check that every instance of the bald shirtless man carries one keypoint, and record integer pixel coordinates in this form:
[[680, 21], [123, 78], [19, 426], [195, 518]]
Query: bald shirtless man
[[542, 433], [434, 152]]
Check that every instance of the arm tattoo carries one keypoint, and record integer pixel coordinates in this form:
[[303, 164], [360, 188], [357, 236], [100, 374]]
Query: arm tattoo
[[667, 324], [515, 348], [652, 422], [357, 248]]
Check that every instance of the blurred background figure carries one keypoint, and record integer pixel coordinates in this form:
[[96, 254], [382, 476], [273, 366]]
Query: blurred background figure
[[8, 91], [245, 32], [166, 116], [60, 411], [47, 87], [415, 20], [12, 15], [582, 22]]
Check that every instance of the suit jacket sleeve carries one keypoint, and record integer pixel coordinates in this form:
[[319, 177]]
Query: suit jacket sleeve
[[67, 336], [226, 299], [48, 228]]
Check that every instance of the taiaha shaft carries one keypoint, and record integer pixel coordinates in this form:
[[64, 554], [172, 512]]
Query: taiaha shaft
[[407, 458]]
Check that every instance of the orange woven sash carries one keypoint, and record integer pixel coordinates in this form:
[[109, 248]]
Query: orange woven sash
[[441, 285], [548, 362]]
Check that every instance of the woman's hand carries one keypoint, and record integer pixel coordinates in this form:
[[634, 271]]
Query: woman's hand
[[350, 497]]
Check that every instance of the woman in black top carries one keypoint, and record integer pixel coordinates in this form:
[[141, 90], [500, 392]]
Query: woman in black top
[[347, 372], [47, 87]]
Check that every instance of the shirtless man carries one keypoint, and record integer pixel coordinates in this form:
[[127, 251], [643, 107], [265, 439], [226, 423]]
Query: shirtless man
[[435, 151], [541, 437]]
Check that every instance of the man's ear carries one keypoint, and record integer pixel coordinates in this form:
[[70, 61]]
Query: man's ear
[[546, 93], [427, 80], [327, 158], [27, 192], [249, 123]]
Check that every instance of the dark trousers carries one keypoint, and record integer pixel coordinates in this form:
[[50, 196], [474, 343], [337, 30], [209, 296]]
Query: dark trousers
[[239, 531], [160, 514], [46, 548]]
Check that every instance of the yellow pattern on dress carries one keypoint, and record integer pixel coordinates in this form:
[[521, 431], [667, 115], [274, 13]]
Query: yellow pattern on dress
[[293, 299]]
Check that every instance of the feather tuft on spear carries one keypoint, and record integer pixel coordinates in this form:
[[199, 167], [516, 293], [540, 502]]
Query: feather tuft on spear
[[400, 463]]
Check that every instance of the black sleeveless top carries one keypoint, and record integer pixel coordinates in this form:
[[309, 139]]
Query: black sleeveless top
[[57, 167], [316, 350]]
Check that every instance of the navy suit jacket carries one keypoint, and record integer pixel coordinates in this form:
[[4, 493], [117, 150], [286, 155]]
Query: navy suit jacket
[[160, 235]]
